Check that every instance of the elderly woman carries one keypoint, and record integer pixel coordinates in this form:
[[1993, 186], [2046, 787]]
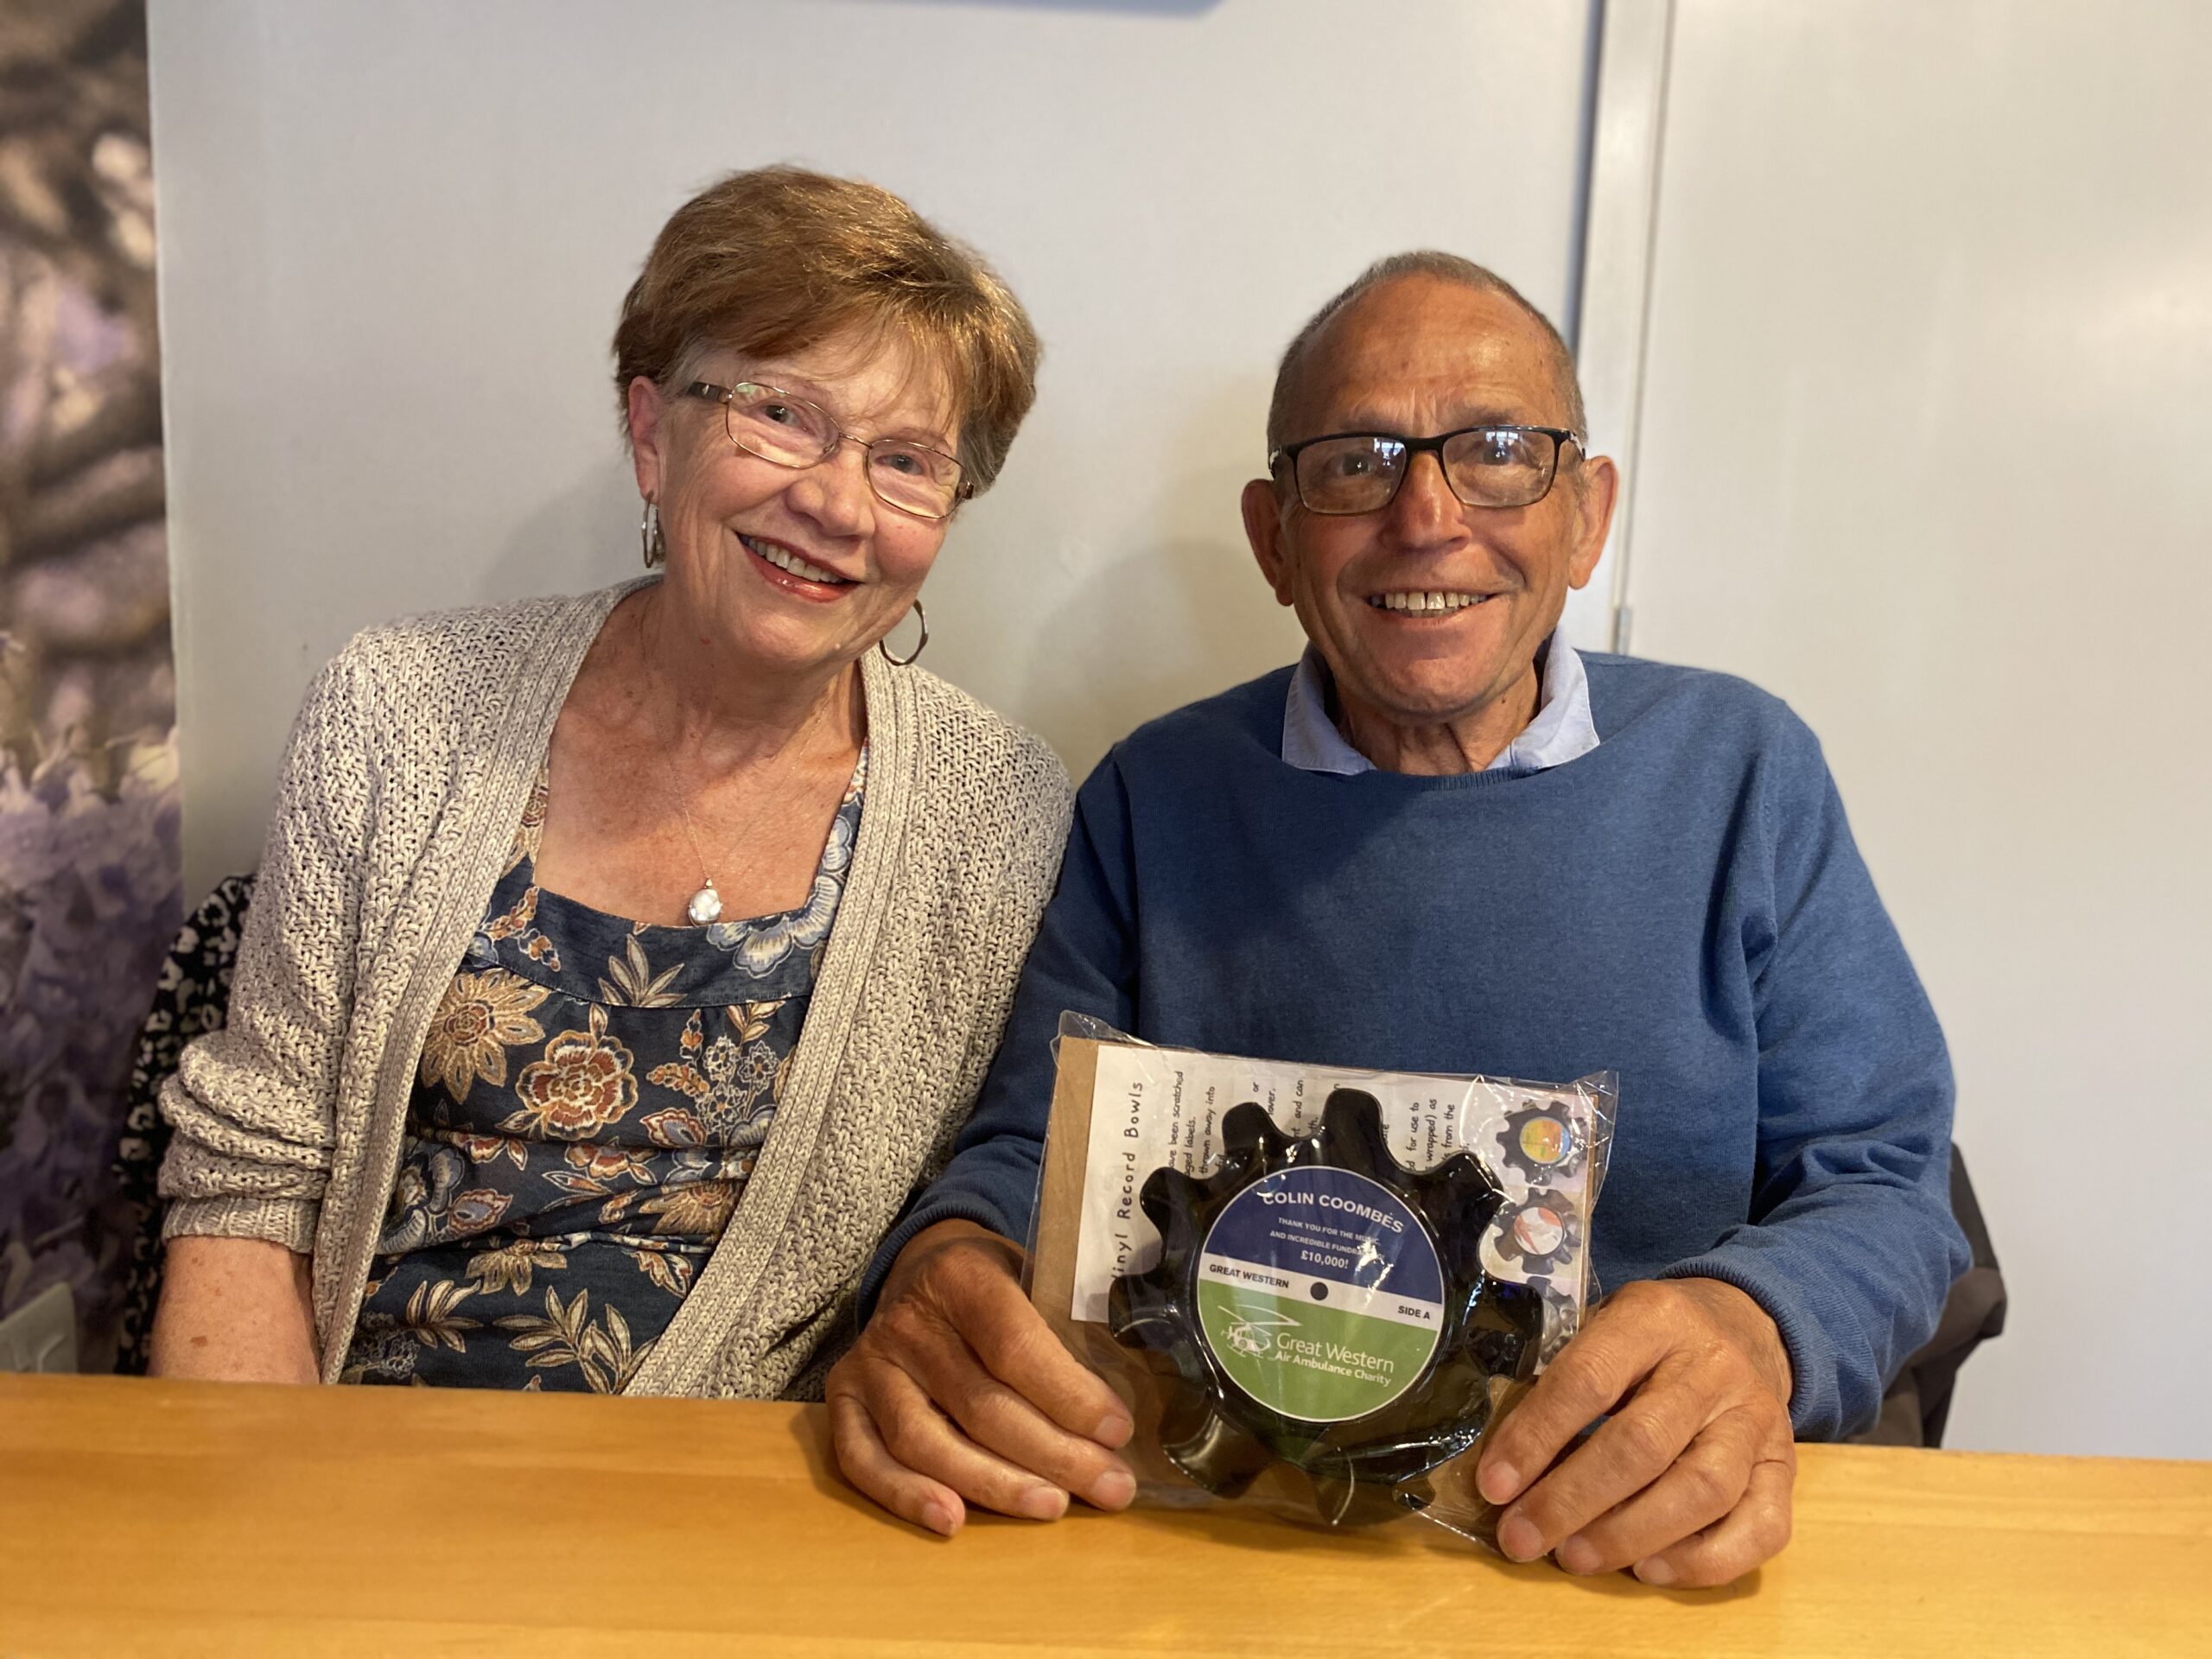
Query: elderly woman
[[619, 964]]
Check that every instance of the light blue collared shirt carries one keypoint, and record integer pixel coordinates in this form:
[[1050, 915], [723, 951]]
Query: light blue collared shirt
[[1562, 730]]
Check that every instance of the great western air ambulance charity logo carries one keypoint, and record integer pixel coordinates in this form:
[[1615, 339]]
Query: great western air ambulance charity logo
[[1251, 1330], [1321, 1293]]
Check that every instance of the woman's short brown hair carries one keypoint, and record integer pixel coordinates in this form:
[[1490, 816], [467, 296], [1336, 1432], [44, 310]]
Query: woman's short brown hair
[[778, 259]]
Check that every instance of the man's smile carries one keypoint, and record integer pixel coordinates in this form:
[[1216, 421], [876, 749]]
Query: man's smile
[[1431, 601]]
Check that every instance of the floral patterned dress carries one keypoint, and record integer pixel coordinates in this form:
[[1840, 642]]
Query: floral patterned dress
[[590, 1101]]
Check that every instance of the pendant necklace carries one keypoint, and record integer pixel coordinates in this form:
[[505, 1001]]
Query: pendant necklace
[[704, 908]]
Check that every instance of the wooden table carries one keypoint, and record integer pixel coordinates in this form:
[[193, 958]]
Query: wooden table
[[183, 1518]]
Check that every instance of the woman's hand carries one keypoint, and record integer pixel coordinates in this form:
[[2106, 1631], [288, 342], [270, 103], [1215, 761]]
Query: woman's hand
[[1689, 1481], [958, 1391], [235, 1310]]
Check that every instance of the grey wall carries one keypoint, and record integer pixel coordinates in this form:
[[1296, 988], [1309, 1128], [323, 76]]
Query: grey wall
[[1928, 395]]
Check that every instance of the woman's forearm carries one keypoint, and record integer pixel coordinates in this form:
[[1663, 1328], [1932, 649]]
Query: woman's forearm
[[235, 1310]]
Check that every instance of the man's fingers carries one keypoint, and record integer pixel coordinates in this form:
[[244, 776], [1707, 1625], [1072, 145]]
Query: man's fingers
[[1590, 1376], [1628, 1452], [1690, 1478], [986, 1307], [919, 1437], [1001, 1421], [959, 1391], [872, 1469], [1704, 1483], [1752, 1533]]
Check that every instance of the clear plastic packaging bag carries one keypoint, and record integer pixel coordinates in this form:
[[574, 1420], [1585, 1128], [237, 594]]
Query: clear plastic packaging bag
[[1315, 1287]]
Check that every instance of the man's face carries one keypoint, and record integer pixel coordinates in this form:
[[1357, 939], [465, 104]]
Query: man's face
[[1418, 356]]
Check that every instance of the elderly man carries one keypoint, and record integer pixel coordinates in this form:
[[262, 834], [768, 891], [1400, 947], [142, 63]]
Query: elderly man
[[1447, 842]]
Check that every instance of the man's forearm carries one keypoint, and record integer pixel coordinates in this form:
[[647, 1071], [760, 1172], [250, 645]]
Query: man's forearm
[[1853, 1288], [992, 1185], [235, 1310]]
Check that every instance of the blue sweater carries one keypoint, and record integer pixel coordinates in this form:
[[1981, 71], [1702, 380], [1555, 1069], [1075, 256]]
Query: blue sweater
[[1683, 905]]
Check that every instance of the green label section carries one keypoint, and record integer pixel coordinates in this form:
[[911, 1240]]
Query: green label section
[[1306, 1360]]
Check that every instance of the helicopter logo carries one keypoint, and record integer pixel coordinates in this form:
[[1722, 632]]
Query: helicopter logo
[[1251, 1329]]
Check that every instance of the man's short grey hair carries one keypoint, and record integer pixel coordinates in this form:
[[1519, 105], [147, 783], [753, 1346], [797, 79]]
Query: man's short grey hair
[[1422, 262]]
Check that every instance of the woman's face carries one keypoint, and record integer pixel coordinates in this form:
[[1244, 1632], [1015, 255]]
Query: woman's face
[[735, 522]]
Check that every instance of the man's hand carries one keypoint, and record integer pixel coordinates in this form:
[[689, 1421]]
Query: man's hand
[[958, 1389], [1690, 1480]]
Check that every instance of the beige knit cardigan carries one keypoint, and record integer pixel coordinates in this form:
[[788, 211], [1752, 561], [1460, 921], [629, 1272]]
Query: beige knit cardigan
[[409, 767]]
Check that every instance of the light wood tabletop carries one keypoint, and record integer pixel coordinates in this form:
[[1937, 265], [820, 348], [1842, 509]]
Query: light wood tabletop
[[192, 1518]]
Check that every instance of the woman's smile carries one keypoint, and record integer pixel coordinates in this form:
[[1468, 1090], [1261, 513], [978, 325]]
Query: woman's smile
[[784, 567]]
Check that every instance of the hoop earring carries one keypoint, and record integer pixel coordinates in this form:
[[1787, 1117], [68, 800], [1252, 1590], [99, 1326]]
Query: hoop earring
[[652, 546], [901, 662]]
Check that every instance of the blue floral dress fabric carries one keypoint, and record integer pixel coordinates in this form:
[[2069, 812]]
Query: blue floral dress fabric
[[590, 1100]]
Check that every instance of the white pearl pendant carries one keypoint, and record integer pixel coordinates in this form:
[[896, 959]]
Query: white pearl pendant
[[706, 906]]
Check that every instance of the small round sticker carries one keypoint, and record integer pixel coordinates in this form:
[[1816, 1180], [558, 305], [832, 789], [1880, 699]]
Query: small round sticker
[[1538, 1229], [1540, 1234], [1321, 1293], [1543, 1139]]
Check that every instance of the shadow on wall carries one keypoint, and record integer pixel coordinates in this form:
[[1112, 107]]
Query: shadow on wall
[[1149, 8], [1165, 622], [583, 538], [89, 871]]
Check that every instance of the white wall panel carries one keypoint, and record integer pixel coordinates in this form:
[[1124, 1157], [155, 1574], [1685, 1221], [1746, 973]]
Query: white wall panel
[[395, 235], [1927, 405]]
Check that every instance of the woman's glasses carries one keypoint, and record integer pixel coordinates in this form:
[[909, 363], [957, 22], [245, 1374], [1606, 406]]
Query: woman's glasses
[[791, 432]]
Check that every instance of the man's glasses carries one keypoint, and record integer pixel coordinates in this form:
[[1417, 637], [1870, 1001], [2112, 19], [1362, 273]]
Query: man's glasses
[[1484, 466], [791, 432]]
